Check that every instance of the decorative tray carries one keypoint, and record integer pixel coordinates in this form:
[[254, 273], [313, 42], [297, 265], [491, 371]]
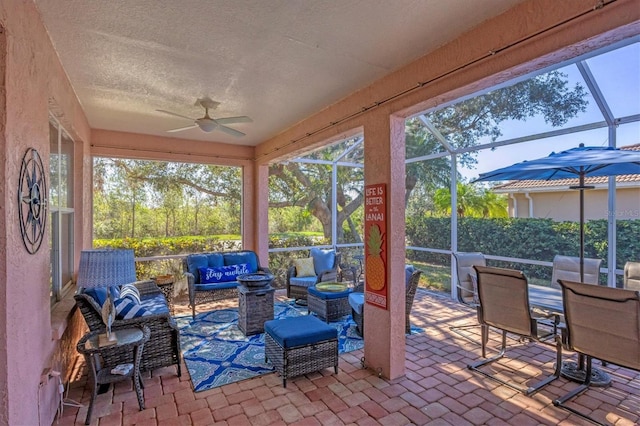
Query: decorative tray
[[331, 287]]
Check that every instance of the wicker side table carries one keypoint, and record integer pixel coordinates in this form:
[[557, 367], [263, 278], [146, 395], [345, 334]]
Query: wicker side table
[[255, 306], [165, 284]]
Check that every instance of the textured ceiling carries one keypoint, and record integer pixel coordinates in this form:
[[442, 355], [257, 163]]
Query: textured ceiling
[[277, 61]]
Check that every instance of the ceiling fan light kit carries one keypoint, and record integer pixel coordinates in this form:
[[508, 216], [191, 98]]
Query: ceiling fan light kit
[[208, 124]]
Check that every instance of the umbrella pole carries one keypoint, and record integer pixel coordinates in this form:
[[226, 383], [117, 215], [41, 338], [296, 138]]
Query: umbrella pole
[[581, 228], [581, 187]]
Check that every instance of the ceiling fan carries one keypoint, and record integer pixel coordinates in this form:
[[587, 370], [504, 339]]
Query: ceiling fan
[[208, 124]]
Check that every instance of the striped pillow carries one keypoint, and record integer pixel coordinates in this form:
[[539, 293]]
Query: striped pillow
[[127, 309], [130, 291]]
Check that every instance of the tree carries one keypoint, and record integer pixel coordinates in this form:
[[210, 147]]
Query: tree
[[462, 125], [471, 201], [147, 198]]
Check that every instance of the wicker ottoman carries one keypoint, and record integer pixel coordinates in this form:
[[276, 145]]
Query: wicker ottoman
[[329, 305], [300, 345]]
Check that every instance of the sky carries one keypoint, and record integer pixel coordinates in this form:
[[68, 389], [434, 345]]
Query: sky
[[617, 73]]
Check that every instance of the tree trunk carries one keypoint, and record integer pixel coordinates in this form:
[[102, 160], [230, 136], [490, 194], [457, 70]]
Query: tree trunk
[[320, 210]]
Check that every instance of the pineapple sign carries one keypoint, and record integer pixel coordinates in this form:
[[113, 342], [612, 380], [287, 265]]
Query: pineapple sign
[[375, 225]]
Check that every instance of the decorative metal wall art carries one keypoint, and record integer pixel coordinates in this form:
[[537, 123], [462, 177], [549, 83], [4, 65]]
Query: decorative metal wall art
[[32, 200]]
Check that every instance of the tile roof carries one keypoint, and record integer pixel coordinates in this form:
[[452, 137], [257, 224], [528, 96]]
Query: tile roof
[[597, 181]]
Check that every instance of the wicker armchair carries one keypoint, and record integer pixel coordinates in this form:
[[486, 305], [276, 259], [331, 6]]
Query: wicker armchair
[[356, 299], [163, 347], [297, 286]]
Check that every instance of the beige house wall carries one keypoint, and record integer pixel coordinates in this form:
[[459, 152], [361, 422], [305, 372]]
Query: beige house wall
[[565, 205]]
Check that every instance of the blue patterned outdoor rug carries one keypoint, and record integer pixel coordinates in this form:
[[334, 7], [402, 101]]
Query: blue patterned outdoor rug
[[217, 352]]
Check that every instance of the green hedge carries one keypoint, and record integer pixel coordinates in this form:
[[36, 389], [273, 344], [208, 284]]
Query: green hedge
[[537, 239]]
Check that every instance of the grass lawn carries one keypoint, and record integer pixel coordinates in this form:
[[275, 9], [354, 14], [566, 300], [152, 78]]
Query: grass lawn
[[434, 277]]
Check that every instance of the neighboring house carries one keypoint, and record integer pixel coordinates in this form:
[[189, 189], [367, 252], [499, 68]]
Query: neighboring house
[[555, 200]]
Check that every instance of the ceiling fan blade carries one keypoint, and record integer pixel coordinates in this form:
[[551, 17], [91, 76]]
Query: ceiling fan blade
[[193, 126], [175, 115], [232, 120], [230, 131]]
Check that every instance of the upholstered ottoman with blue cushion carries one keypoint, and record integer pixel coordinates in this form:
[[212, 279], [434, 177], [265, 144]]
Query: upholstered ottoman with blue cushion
[[356, 302], [330, 301], [300, 345]]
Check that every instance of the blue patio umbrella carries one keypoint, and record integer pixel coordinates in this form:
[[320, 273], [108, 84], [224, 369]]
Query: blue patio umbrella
[[580, 162]]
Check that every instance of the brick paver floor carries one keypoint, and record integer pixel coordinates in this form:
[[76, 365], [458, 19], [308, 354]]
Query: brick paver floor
[[437, 388]]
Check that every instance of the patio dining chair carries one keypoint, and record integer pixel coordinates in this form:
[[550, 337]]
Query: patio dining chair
[[467, 285], [603, 323], [568, 268], [632, 276], [504, 304]]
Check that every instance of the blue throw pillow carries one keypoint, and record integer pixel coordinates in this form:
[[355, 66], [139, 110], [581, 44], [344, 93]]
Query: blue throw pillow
[[323, 260], [127, 309], [99, 294], [223, 273]]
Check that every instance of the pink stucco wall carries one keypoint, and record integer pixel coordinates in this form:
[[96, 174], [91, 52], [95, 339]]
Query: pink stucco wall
[[35, 83]]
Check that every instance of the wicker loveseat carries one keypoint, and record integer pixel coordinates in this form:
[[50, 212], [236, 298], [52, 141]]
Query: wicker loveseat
[[226, 266], [163, 347], [356, 299]]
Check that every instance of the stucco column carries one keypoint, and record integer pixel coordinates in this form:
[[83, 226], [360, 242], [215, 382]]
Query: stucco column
[[384, 339], [255, 211]]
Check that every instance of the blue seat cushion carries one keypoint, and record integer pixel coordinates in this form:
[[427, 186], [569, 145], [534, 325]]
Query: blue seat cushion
[[299, 331], [216, 286], [156, 304], [323, 260], [328, 294], [303, 281], [356, 301], [247, 257]]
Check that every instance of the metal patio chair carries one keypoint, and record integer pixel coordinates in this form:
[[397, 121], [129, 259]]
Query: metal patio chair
[[603, 323], [504, 304], [467, 285]]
